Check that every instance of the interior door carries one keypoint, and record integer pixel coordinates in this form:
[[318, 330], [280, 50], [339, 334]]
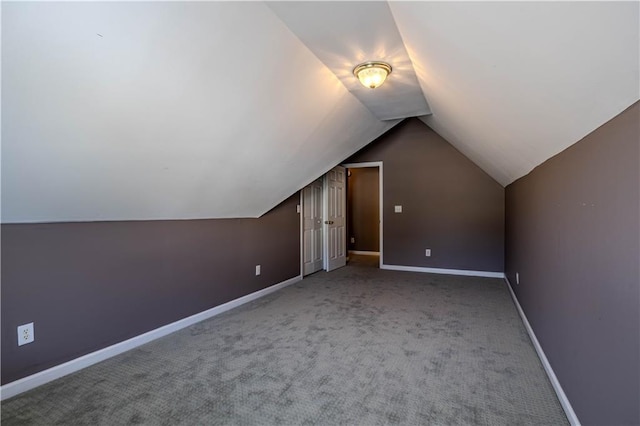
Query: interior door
[[312, 227], [335, 218]]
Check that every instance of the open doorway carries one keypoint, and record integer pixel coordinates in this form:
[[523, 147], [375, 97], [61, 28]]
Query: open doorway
[[364, 213]]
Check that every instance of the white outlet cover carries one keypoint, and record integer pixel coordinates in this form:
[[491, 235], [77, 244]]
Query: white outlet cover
[[427, 252], [25, 334], [257, 269], [397, 209]]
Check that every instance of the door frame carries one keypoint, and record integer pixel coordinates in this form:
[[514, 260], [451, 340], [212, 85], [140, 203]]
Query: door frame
[[300, 209], [379, 165]]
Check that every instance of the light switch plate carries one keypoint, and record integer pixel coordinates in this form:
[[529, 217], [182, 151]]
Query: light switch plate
[[397, 209], [427, 252]]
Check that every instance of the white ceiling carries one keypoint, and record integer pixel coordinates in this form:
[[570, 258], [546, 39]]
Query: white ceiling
[[346, 33], [131, 111], [115, 111], [511, 84]]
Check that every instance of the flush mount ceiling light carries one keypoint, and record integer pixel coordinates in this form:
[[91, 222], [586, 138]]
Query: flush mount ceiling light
[[372, 74]]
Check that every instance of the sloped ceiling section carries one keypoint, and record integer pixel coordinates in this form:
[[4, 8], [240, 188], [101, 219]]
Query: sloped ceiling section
[[346, 33], [154, 110], [511, 84], [135, 111]]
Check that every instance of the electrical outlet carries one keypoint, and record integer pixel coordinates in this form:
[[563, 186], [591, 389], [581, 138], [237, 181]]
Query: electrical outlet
[[353, 240], [257, 270], [25, 334], [427, 252], [517, 278], [397, 209]]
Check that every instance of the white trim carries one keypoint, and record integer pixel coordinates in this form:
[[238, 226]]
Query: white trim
[[366, 253], [464, 272], [302, 232], [325, 218], [361, 165], [381, 183], [53, 373], [564, 401], [379, 165]]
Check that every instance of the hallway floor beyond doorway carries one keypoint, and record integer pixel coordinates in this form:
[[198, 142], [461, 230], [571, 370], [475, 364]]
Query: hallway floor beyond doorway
[[364, 260]]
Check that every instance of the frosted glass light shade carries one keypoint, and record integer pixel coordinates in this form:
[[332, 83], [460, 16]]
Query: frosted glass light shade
[[372, 74]]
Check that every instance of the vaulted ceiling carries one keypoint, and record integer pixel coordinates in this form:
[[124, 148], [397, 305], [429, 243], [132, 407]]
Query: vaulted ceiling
[[133, 111]]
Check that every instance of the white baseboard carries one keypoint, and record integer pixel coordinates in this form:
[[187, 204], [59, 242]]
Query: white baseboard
[[564, 401], [366, 253], [464, 272], [53, 373]]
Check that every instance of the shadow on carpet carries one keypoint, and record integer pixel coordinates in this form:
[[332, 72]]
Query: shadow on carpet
[[357, 346]]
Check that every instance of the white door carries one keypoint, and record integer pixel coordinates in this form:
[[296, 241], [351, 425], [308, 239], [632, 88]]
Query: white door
[[312, 227], [335, 218]]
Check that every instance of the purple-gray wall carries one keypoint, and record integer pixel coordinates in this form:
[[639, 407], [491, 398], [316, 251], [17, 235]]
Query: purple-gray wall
[[572, 235], [449, 204], [363, 209], [90, 285]]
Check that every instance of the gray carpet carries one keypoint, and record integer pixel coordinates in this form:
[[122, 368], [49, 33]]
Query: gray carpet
[[355, 346]]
